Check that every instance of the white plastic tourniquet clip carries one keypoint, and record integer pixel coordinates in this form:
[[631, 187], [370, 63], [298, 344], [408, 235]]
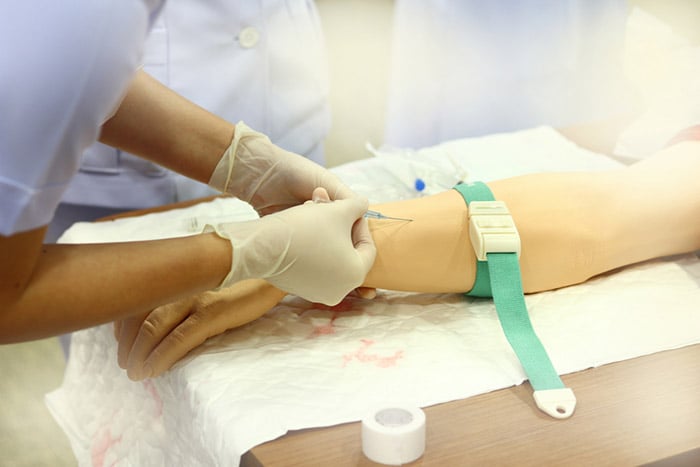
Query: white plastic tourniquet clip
[[491, 229]]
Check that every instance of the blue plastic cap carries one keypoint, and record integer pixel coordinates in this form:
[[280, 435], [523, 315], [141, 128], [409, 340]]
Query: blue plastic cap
[[419, 184]]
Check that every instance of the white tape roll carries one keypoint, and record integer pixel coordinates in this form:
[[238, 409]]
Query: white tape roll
[[394, 435]]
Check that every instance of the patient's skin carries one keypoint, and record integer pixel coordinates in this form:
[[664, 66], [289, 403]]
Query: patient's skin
[[572, 226], [430, 254], [557, 220]]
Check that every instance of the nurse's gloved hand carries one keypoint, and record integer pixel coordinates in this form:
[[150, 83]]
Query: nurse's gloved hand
[[268, 177], [318, 251], [320, 195]]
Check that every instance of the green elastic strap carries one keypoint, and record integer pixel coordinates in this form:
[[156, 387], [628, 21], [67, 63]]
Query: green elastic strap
[[478, 191], [499, 276]]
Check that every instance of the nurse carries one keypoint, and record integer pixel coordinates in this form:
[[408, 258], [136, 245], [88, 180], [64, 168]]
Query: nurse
[[68, 79], [233, 59]]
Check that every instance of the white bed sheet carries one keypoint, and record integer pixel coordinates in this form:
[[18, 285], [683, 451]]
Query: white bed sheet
[[305, 365]]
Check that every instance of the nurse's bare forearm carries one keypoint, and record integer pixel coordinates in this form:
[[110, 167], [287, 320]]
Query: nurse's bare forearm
[[158, 124], [77, 286]]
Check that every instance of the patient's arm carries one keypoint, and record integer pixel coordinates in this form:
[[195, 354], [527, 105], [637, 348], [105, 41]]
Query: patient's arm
[[152, 343], [572, 226], [563, 224]]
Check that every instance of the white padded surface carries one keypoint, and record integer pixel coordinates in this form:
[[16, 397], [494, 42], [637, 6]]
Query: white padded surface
[[305, 365]]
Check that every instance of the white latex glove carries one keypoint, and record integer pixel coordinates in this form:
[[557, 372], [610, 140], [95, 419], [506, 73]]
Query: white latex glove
[[268, 177], [318, 251]]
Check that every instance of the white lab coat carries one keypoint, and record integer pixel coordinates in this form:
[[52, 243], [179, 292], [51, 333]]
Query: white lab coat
[[260, 62], [467, 68], [63, 68]]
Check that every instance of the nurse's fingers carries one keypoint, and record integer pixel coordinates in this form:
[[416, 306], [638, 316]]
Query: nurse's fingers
[[364, 243], [320, 195]]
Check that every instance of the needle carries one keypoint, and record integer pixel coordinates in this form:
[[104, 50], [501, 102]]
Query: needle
[[378, 215]]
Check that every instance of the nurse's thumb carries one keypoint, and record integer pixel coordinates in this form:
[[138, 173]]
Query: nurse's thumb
[[364, 244], [353, 208], [320, 195]]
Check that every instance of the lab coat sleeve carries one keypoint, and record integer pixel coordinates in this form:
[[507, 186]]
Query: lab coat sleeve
[[69, 65]]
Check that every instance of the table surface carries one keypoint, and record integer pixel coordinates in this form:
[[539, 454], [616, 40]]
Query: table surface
[[632, 412]]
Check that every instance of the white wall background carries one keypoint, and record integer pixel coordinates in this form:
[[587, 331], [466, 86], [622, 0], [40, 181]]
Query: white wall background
[[358, 39], [357, 36]]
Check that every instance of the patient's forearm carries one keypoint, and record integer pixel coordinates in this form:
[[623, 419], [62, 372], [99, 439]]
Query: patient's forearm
[[572, 226], [430, 254], [555, 214]]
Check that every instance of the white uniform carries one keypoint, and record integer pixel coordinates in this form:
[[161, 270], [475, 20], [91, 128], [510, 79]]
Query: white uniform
[[63, 68], [261, 62], [470, 67]]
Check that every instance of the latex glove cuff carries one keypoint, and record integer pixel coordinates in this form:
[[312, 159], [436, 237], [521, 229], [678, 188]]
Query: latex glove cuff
[[239, 150], [252, 258]]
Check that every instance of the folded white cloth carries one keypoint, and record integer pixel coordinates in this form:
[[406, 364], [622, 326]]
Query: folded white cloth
[[304, 365]]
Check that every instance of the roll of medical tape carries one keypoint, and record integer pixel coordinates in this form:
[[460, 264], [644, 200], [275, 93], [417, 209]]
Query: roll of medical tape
[[394, 435]]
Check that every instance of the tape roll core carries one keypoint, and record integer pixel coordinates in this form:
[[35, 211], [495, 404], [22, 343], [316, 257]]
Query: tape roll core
[[394, 435]]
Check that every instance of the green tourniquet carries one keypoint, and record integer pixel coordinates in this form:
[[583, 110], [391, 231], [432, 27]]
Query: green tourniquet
[[478, 191], [515, 321], [482, 281], [499, 277]]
